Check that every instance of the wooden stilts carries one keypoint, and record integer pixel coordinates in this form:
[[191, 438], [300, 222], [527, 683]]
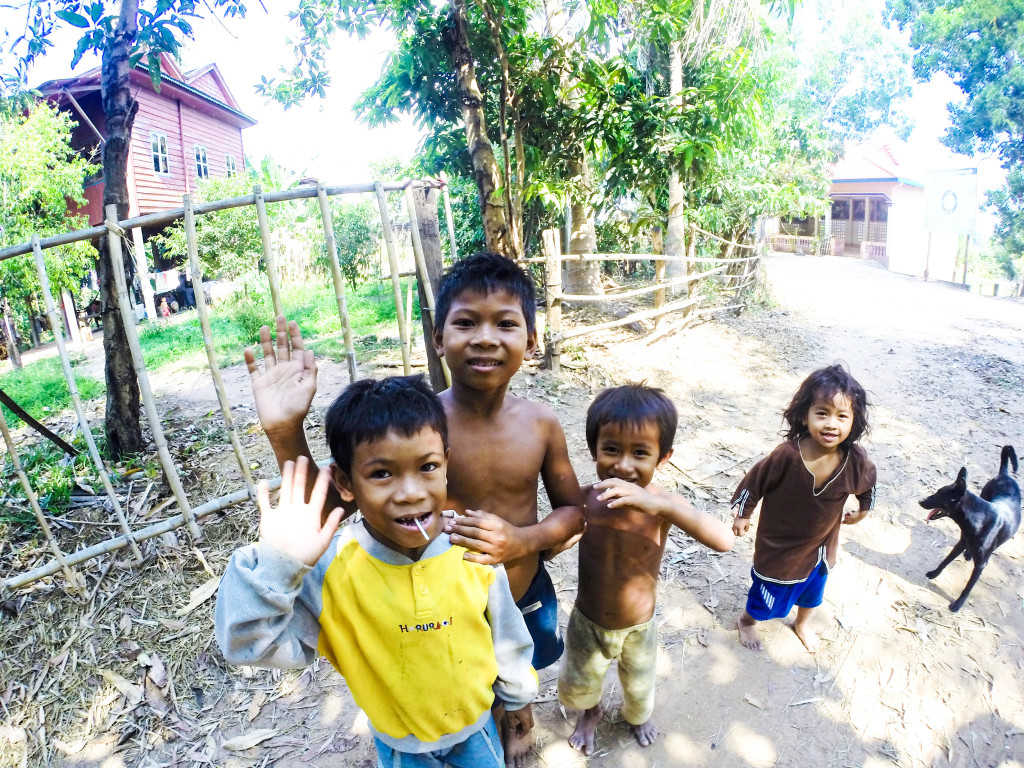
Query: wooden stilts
[[339, 281], [268, 250], [396, 286], [128, 315], [421, 269], [75, 582], [211, 354], [65, 360], [553, 298]]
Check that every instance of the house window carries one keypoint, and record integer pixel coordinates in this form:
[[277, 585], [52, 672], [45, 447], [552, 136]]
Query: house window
[[158, 145], [229, 161], [202, 167], [840, 210]]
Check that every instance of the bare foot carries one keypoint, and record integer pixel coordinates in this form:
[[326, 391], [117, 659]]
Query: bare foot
[[807, 637], [802, 628], [749, 637], [583, 737], [645, 733], [517, 746]]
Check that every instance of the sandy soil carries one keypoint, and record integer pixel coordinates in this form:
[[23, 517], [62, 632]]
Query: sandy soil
[[899, 680]]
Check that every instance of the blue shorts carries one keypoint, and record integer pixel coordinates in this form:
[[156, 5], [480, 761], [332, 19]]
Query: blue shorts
[[768, 600], [481, 750], [540, 611]]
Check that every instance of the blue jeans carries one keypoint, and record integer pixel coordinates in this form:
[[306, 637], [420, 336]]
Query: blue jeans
[[481, 750]]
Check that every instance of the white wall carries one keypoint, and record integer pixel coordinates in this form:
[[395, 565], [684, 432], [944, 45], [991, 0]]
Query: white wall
[[908, 247]]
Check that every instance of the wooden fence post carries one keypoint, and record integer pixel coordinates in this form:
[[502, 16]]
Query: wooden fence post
[[62, 351], [268, 250], [426, 244], [448, 217], [396, 281], [211, 354], [115, 234], [339, 281], [553, 299]]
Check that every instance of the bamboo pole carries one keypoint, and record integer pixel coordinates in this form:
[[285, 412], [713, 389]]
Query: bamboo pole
[[396, 287], [268, 249], [409, 311], [65, 361], [156, 529], [162, 218], [448, 217], [211, 354], [642, 315], [74, 580], [553, 299], [421, 268], [132, 334], [584, 297], [339, 281]]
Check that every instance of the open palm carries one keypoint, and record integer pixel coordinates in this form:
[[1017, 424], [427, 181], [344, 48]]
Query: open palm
[[284, 388], [294, 527]]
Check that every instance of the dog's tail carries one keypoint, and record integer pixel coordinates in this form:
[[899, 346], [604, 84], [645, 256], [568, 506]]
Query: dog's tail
[[1009, 457]]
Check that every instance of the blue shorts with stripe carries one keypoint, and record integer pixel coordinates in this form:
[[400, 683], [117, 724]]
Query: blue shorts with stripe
[[769, 600]]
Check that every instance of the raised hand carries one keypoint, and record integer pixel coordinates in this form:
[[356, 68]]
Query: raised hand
[[491, 539], [295, 527], [283, 389]]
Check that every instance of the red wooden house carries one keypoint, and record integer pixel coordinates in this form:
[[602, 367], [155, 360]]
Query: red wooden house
[[189, 131]]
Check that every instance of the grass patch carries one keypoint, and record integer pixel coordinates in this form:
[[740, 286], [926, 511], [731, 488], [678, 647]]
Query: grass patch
[[40, 388], [236, 324]]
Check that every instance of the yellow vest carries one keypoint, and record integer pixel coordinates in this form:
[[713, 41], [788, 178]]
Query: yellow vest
[[412, 641]]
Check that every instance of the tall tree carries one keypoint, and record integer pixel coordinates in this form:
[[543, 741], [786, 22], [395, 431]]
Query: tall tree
[[978, 43], [434, 59], [39, 173], [123, 33]]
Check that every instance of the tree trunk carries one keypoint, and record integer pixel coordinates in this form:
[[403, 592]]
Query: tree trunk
[[11, 334], [430, 237], [123, 431], [675, 234], [485, 166], [580, 276]]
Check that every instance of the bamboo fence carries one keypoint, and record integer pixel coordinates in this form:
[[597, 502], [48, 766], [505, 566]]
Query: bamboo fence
[[740, 270], [187, 515]]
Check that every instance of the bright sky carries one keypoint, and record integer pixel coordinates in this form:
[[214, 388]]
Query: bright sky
[[322, 137]]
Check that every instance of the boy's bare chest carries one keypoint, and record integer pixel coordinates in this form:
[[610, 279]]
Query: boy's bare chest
[[496, 470]]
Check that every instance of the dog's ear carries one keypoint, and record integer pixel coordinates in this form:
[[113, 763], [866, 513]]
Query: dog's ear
[[961, 479]]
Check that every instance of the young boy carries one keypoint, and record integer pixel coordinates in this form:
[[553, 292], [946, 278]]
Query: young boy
[[424, 638], [630, 431], [500, 445]]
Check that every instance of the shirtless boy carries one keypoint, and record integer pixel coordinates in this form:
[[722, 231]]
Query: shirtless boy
[[500, 445], [630, 431]]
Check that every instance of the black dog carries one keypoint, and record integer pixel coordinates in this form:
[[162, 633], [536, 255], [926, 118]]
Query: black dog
[[985, 521]]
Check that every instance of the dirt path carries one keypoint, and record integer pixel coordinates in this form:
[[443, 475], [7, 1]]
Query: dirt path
[[899, 679]]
